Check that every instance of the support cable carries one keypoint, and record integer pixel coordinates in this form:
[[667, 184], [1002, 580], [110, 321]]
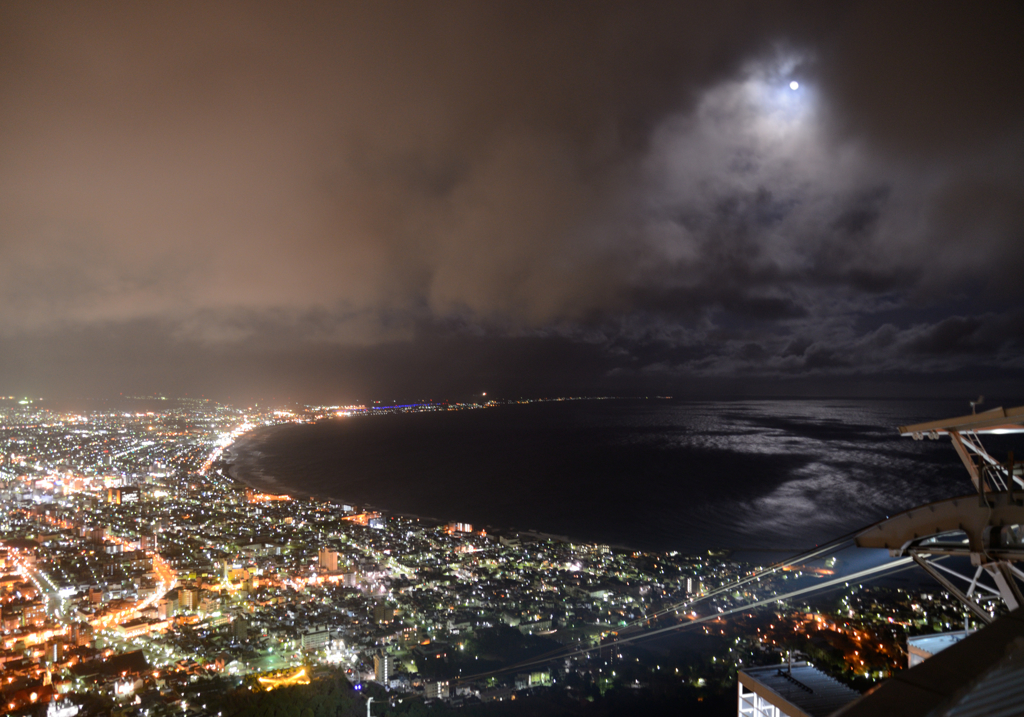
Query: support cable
[[887, 567]]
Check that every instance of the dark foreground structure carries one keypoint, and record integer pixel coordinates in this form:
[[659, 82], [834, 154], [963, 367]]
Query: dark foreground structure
[[976, 674], [983, 674], [797, 690]]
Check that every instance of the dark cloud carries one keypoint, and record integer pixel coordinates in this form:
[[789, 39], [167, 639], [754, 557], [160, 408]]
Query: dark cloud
[[925, 80], [981, 335], [254, 194]]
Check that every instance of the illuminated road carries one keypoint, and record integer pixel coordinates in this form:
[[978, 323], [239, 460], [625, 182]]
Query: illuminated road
[[382, 559], [46, 587], [166, 580]]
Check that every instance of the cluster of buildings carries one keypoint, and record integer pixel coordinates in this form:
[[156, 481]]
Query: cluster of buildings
[[133, 571]]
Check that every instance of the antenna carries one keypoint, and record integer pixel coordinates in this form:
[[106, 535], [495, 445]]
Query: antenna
[[975, 404]]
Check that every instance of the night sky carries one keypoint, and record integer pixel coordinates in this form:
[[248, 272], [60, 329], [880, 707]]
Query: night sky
[[328, 202]]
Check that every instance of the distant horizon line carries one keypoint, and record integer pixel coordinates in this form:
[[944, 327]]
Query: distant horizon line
[[481, 400]]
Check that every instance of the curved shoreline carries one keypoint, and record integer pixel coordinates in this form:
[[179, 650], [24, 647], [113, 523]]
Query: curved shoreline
[[241, 471], [238, 461], [634, 477], [271, 485], [236, 470]]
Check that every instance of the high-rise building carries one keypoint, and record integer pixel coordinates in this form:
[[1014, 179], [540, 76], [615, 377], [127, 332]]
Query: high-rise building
[[55, 651], [169, 605], [383, 667], [209, 601], [317, 640], [436, 690], [82, 633], [122, 495], [188, 597], [328, 559], [383, 614], [240, 628]]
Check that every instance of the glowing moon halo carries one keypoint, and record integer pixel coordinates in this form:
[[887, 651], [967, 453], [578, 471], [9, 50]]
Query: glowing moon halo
[[794, 85]]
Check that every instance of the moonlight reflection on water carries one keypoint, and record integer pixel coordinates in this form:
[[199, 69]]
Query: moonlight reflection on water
[[657, 475]]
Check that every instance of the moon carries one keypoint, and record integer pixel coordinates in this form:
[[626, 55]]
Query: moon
[[794, 85]]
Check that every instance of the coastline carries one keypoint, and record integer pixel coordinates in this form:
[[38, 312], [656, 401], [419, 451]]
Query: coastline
[[632, 474], [238, 466], [741, 554]]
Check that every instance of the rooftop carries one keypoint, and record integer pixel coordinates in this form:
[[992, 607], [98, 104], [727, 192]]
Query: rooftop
[[981, 674], [933, 644], [804, 687]]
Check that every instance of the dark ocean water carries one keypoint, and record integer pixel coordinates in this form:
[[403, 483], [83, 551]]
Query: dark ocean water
[[650, 474]]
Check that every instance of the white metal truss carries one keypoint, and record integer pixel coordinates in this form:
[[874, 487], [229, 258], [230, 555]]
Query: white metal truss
[[987, 473], [1002, 574], [987, 528]]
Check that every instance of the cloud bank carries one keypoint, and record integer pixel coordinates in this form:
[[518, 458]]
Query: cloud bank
[[300, 198]]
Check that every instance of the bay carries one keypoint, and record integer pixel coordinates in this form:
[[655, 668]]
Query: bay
[[774, 475]]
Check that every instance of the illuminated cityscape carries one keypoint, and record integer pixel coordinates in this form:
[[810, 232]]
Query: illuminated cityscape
[[139, 574], [279, 279]]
